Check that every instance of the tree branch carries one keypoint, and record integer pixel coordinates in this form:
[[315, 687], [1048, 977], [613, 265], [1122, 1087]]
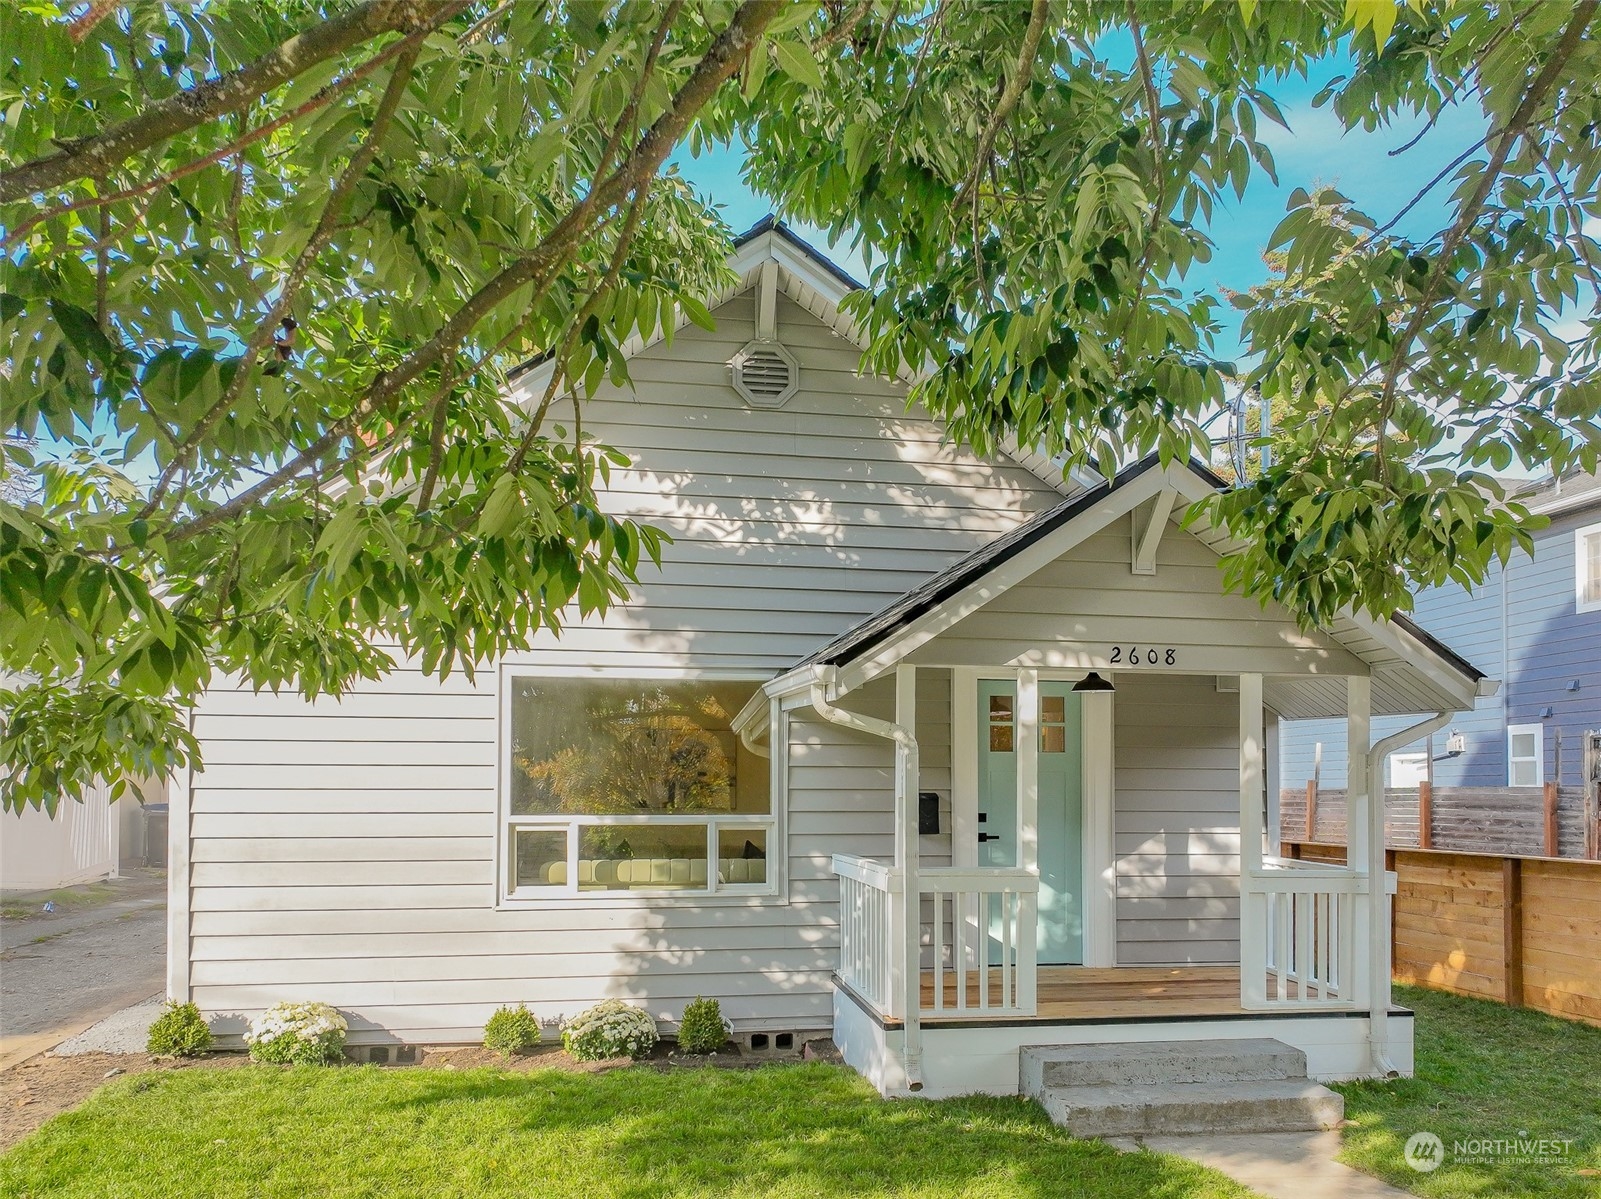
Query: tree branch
[[326, 225], [92, 157], [1153, 105], [841, 30], [441, 14], [721, 60], [1516, 128], [1010, 95]]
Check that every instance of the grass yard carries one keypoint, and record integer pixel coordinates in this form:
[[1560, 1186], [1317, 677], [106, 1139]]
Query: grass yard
[[801, 1130], [1484, 1071], [20, 907]]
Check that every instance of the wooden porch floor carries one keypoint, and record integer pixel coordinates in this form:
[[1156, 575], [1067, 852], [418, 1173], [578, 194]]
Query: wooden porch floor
[[1067, 993]]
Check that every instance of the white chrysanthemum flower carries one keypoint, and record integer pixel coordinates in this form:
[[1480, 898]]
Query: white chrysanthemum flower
[[297, 1032], [611, 1028]]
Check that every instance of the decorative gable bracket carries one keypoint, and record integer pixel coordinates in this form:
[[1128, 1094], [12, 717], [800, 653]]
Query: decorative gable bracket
[[764, 373]]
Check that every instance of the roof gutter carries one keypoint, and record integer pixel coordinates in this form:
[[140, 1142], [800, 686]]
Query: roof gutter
[[905, 749], [1380, 950]]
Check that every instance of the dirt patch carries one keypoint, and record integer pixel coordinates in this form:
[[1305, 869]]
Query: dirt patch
[[45, 1086]]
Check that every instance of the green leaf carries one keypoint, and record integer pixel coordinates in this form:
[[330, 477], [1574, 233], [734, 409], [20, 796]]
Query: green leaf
[[796, 61], [697, 312]]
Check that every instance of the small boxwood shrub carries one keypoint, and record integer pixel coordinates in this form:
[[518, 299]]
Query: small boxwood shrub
[[512, 1030], [609, 1029], [702, 1029], [302, 1034], [180, 1031]]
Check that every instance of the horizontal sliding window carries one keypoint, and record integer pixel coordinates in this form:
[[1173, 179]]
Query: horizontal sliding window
[[619, 787]]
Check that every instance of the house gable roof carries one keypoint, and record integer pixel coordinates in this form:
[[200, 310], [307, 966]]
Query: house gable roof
[[816, 283]]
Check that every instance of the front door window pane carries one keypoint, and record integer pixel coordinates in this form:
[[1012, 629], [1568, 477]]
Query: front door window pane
[[1002, 738]]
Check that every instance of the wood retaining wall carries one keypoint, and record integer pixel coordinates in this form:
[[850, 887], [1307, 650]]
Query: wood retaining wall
[[1521, 930]]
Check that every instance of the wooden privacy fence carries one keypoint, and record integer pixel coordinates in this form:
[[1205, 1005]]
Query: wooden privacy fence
[[1520, 929], [1549, 821]]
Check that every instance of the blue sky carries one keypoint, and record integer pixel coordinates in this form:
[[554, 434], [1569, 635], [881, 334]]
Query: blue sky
[[1314, 151]]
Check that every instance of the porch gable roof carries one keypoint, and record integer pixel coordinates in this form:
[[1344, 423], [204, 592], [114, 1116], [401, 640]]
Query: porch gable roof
[[1409, 664]]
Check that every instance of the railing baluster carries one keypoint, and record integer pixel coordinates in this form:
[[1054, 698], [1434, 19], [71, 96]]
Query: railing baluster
[[959, 920], [1282, 952], [1006, 949], [1306, 963], [983, 953]]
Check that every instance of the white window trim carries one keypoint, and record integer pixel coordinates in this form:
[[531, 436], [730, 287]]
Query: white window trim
[[1580, 559], [1539, 753], [774, 892]]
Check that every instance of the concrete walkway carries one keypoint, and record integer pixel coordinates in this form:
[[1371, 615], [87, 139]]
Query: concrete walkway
[[63, 971], [1280, 1165]]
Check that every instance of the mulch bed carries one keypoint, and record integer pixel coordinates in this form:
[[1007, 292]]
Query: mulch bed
[[44, 1086]]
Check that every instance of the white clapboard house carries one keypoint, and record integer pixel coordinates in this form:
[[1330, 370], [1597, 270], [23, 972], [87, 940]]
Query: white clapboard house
[[942, 756]]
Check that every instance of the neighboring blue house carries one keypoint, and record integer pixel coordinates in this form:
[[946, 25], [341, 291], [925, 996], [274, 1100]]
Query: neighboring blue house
[[1536, 625]]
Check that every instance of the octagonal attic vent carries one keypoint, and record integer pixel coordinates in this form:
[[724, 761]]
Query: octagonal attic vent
[[764, 374]]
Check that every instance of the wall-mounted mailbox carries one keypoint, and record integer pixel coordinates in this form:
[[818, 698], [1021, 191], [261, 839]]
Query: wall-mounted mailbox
[[928, 811]]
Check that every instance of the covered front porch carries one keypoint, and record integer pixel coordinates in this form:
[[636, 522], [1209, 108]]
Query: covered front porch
[[1070, 734]]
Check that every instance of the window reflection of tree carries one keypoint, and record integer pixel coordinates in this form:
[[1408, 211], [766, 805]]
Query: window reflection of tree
[[629, 753]]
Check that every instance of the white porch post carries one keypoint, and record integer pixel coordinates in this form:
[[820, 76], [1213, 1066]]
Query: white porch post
[[906, 915], [1100, 883], [1253, 903], [1028, 832], [1360, 845]]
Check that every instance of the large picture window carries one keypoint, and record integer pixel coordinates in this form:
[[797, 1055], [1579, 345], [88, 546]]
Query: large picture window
[[626, 786]]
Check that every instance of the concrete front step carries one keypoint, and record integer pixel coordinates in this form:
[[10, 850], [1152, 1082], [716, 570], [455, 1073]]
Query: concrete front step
[[1174, 1088], [1272, 1105], [1140, 1063]]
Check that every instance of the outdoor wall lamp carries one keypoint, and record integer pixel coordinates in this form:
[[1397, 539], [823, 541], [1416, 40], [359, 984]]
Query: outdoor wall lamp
[[1093, 682]]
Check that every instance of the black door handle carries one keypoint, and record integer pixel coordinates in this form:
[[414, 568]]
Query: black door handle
[[983, 837]]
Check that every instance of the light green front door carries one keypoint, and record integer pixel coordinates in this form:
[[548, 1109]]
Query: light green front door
[[1061, 812]]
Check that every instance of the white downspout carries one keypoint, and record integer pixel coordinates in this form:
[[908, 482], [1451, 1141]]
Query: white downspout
[[1379, 948], [905, 743]]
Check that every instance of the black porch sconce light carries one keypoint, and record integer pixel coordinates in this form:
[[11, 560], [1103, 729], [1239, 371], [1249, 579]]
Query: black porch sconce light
[[1093, 682]]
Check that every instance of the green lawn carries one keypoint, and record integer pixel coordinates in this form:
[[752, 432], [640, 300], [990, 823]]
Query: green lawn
[[1484, 1071], [803, 1131]]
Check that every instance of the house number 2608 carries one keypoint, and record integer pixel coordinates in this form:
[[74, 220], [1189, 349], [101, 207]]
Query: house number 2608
[[1135, 656]]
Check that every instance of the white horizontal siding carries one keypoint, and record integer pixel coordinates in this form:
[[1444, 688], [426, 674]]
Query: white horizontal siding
[[345, 850], [1177, 823], [1075, 609]]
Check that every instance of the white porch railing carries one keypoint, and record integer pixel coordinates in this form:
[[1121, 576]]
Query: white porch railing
[[1307, 916], [983, 940], [868, 948]]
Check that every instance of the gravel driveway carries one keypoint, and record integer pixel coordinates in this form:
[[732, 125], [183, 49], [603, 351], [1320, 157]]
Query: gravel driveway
[[59, 972]]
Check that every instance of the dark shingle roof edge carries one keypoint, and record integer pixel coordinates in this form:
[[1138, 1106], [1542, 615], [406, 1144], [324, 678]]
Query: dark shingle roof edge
[[771, 224], [941, 586], [768, 224]]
